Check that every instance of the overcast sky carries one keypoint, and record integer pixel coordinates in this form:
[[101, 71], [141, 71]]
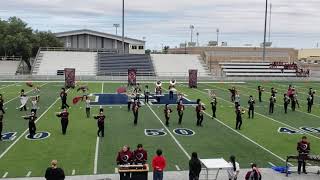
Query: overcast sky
[[294, 23]]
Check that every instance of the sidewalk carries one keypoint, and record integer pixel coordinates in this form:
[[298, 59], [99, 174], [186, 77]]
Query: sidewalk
[[267, 174]]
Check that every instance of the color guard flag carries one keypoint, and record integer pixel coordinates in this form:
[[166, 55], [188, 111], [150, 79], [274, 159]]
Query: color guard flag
[[76, 99], [29, 84], [121, 90]]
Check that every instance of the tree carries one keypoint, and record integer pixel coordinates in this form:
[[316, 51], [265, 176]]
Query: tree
[[17, 39]]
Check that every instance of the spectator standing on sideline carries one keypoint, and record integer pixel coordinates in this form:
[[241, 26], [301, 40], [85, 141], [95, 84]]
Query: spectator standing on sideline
[[254, 174], [158, 165], [233, 172], [194, 167], [53, 172]]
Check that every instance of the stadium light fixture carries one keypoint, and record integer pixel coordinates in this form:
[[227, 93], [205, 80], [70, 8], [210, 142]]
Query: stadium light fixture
[[116, 26], [197, 38]]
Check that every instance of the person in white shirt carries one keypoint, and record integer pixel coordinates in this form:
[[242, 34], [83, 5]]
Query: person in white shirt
[[34, 104], [234, 170], [87, 104]]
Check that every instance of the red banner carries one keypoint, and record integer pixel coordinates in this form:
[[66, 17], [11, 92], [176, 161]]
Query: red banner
[[193, 78], [70, 77], [132, 77]]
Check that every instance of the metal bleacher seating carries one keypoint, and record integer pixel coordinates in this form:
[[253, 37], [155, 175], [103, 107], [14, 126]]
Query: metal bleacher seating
[[263, 69], [118, 64]]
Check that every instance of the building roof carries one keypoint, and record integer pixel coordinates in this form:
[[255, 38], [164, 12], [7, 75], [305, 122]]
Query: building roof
[[101, 34]]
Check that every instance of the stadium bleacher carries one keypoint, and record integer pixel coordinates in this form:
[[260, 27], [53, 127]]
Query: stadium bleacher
[[52, 62], [118, 64], [178, 64], [264, 69], [8, 67]]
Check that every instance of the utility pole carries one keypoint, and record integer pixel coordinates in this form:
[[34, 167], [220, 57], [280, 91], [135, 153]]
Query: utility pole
[[265, 32], [123, 48], [116, 26]]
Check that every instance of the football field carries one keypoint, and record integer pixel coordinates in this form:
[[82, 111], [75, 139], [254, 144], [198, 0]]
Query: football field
[[265, 140]]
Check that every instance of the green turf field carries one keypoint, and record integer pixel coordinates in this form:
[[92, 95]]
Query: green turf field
[[80, 152]]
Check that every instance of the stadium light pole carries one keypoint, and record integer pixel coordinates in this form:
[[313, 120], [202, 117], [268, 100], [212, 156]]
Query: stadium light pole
[[116, 26], [269, 23], [218, 31], [123, 48], [265, 32], [191, 28], [197, 39]]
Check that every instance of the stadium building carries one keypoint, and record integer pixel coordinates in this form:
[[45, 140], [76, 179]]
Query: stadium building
[[89, 39]]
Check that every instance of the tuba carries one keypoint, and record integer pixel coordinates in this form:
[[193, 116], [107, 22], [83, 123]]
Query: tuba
[[158, 83], [172, 82]]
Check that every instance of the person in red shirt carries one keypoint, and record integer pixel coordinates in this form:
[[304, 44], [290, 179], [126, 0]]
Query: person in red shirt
[[158, 165], [140, 156], [64, 115]]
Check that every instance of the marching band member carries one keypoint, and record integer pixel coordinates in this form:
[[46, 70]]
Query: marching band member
[[199, 109], [180, 109], [239, 113], [294, 102], [101, 117], [146, 94], [87, 102], [135, 110], [272, 101], [130, 99], [23, 100], [213, 103], [286, 102], [34, 104], [63, 96], [140, 156], [137, 91], [233, 93], [1, 104], [237, 99], [260, 90], [273, 92], [171, 88], [251, 103], [167, 112], [303, 148], [124, 156], [1, 123], [309, 103], [158, 90], [32, 125], [64, 115]]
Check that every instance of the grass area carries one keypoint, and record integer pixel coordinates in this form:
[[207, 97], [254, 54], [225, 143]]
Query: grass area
[[259, 140]]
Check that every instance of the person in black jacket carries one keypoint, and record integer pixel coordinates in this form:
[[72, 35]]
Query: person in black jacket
[[194, 167], [53, 172]]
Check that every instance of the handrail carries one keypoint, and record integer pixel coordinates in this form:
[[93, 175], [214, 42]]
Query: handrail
[[10, 58], [77, 49]]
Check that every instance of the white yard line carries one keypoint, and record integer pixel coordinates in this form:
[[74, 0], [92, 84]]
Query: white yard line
[[28, 174], [174, 138], [73, 172], [178, 168], [271, 164], [95, 163], [23, 134], [5, 175], [19, 95], [9, 85], [284, 124]]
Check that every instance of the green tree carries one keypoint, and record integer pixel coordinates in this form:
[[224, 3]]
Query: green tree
[[17, 39]]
